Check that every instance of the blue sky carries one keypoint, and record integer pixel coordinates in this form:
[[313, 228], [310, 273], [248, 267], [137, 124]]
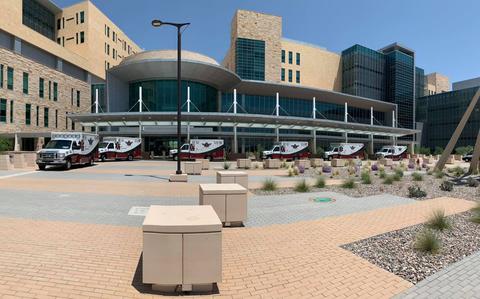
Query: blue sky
[[444, 34]]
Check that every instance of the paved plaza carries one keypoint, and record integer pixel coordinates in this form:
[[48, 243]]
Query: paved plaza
[[78, 234]]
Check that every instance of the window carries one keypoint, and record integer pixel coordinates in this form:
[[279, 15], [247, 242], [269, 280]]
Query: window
[[3, 111], [82, 37], [250, 59], [82, 17], [66, 120], [298, 58], [11, 111], [10, 78], [283, 74], [73, 125], [114, 36], [297, 76], [76, 18], [290, 57], [59, 24], [49, 90], [1, 75], [45, 117], [59, 41], [56, 119], [41, 92], [78, 98], [25, 83], [71, 97], [290, 75], [28, 114], [283, 56], [108, 31], [38, 17], [108, 49], [113, 53], [37, 115], [55, 91]]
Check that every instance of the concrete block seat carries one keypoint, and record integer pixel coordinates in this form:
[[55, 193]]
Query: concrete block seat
[[244, 163], [205, 163], [272, 163], [303, 163], [233, 177], [30, 159], [19, 161], [228, 200], [385, 162], [182, 245], [5, 162], [338, 162], [316, 162], [192, 167]]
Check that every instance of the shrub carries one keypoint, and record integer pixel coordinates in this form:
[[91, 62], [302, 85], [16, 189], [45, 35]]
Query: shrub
[[458, 171], [326, 169], [295, 170], [396, 177], [388, 180], [283, 165], [269, 185], [6, 144], [320, 182], [477, 208], [382, 174], [256, 166], [446, 186], [438, 221], [411, 165], [416, 192], [301, 169], [430, 172], [439, 174], [471, 182], [475, 218], [374, 167], [417, 176], [438, 150], [302, 186], [290, 172], [366, 179], [348, 183], [424, 166], [226, 165], [399, 172], [463, 150], [427, 241]]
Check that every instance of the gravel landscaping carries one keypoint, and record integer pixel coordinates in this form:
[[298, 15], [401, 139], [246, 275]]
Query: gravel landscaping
[[394, 251], [430, 184]]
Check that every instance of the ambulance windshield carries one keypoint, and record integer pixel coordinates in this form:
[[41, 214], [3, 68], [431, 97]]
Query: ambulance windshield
[[59, 144], [102, 144]]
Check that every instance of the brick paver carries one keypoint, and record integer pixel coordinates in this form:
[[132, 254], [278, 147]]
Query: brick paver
[[301, 259], [459, 280]]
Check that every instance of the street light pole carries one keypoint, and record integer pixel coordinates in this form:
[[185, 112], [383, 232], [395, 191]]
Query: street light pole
[[158, 23]]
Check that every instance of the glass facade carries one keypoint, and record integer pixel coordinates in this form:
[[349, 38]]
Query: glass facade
[[38, 18], [3, 110], [28, 114], [10, 78], [250, 59], [41, 87], [1, 75], [363, 72], [25, 83], [440, 115], [55, 91], [161, 95], [45, 117], [420, 83], [102, 100]]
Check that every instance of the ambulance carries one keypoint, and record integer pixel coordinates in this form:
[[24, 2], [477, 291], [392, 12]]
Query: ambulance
[[211, 149], [68, 149], [288, 150], [120, 148], [346, 151], [393, 152]]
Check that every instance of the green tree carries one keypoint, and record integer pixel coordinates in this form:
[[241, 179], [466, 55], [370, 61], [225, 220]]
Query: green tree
[[6, 144]]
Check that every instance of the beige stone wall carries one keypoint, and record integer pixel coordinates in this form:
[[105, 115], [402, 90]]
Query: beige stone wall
[[93, 49], [255, 25], [318, 67], [437, 83], [35, 70]]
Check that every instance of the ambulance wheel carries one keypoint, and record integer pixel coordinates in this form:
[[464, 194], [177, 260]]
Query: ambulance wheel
[[102, 158], [91, 162], [42, 166], [130, 158], [68, 165], [175, 157]]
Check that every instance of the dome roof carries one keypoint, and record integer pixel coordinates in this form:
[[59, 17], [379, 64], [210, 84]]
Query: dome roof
[[169, 55]]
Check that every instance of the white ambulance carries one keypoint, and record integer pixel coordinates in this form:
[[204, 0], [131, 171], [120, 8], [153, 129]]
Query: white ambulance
[[120, 148], [211, 149], [346, 151], [393, 152], [288, 150], [67, 149]]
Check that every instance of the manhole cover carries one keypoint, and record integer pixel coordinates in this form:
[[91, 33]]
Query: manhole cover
[[138, 211], [322, 199]]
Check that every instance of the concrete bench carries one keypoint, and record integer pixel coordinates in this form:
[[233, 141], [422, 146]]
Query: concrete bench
[[272, 163], [182, 245], [385, 162], [244, 163], [205, 163], [303, 163], [192, 167], [427, 160], [450, 160], [30, 159], [5, 162], [232, 177], [338, 163], [19, 161], [228, 200], [316, 162]]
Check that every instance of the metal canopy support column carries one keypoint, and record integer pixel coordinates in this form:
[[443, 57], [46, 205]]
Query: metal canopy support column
[[235, 138], [370, 144], [314, 131], [277, 112], [140, 108], [96, 108], [346, 120], [188, 110], [394, 123], [458, 131]]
